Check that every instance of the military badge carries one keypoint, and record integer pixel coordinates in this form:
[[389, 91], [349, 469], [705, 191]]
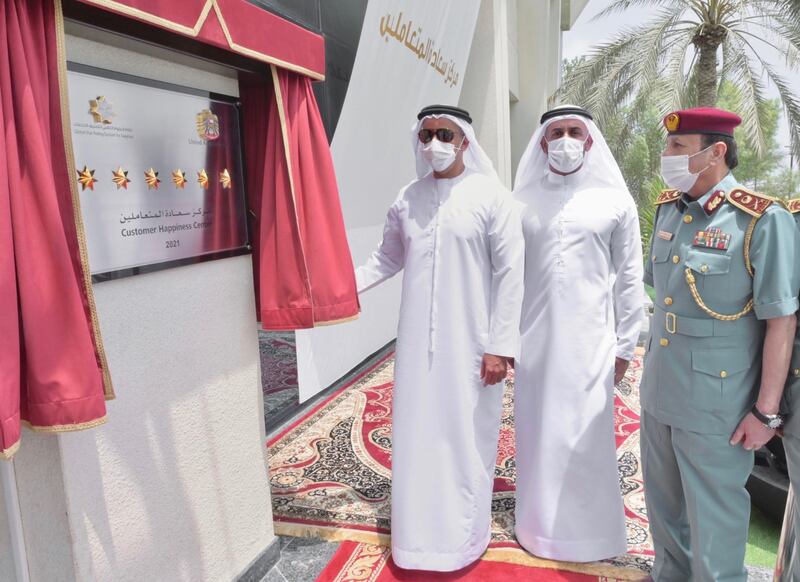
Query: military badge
[[672, 122], [120, 178], [101, 110], [668, 196], [712, 238], [86, 178], [751, 202], [714, 201], [793, 205], [207, 125], [664, 235]]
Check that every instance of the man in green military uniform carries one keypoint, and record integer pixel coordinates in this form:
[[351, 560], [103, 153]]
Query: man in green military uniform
[[722, 262], [791, 434]]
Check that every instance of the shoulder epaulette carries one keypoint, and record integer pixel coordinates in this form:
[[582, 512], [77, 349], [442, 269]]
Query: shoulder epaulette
[[751, 202], [793, 205], [668, 196]]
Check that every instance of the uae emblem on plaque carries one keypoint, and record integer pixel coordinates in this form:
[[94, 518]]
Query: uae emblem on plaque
[[207, 125]]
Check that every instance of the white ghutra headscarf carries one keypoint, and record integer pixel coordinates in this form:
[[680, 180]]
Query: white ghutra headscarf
[[474, 156], [599, 166]]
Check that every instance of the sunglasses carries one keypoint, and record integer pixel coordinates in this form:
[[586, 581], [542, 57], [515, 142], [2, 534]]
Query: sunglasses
[[443, 134]]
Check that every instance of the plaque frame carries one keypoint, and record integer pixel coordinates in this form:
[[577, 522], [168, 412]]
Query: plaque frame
[[247, 213]]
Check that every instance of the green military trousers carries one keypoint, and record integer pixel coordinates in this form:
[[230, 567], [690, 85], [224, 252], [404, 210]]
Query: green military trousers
[[791, 444], [697, 504]]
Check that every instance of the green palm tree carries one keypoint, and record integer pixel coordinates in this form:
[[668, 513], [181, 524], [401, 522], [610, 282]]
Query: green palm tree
[[681, 57]]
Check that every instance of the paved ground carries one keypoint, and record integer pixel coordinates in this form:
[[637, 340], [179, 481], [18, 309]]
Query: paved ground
[[301, 559]]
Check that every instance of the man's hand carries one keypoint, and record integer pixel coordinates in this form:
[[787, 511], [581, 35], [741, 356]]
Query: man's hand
[[752, 433], [493, 369], [620, 367]]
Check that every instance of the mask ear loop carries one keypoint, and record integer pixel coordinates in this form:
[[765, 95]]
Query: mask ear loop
[[697, 154]]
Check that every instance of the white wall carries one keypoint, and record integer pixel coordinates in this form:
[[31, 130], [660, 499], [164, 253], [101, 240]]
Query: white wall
[[175, 486], [486, 85], [538, 41]]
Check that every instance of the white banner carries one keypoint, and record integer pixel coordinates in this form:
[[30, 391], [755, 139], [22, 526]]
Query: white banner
[[412, 53]]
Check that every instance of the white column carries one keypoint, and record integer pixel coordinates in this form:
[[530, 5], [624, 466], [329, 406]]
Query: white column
[[486, 85], [539, 66]]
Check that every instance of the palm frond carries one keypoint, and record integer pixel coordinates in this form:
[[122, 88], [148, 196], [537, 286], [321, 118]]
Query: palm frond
[[629, 63], [776, 29], [620, 6], [674, 86], [751, 90], [791, 105]]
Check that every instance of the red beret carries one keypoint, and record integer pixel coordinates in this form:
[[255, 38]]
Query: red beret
[[702, 120]]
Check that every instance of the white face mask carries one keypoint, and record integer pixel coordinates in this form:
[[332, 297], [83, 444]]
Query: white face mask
[[675, 171], [440, 155], [566, 154]]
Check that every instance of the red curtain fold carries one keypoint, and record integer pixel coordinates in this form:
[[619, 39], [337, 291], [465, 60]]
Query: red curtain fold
[[302, 263], [51, 370], [226, 215]]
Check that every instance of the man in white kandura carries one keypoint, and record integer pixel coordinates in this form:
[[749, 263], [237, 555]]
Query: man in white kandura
[[580, 323], [456, 232]]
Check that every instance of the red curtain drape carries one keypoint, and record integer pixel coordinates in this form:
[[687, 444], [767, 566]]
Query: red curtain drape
[[222, 202], [52, 373], [302, 263]]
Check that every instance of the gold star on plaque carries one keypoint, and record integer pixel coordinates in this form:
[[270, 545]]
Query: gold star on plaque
[[100, 109], [225, 179], [152, 180], [120, 178], [179, 178], [86, 178], [202, 179]]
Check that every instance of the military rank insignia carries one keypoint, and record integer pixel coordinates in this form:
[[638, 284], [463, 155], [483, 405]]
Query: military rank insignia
[[667, 196], [712, 238], [714, 201]]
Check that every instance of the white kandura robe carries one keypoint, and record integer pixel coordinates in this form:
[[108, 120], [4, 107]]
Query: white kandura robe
[[460, 243], [582, 308]]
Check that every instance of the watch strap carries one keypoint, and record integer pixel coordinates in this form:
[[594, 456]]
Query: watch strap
[[765, 419]]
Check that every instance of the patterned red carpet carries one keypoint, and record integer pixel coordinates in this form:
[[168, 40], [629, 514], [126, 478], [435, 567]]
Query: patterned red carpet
[[331, 477], [360, 562], [278, 361]]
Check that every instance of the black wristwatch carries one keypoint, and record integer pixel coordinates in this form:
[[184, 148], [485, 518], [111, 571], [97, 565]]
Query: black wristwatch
[[773, 421]]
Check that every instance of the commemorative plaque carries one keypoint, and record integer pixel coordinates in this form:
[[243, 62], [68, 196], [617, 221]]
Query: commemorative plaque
[[158, 171]]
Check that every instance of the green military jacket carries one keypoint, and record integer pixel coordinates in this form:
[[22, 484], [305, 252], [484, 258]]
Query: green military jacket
[[791, 394], [720, 266]]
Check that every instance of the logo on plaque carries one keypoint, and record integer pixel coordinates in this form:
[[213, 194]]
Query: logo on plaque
[[207, 125], [101, 110]]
